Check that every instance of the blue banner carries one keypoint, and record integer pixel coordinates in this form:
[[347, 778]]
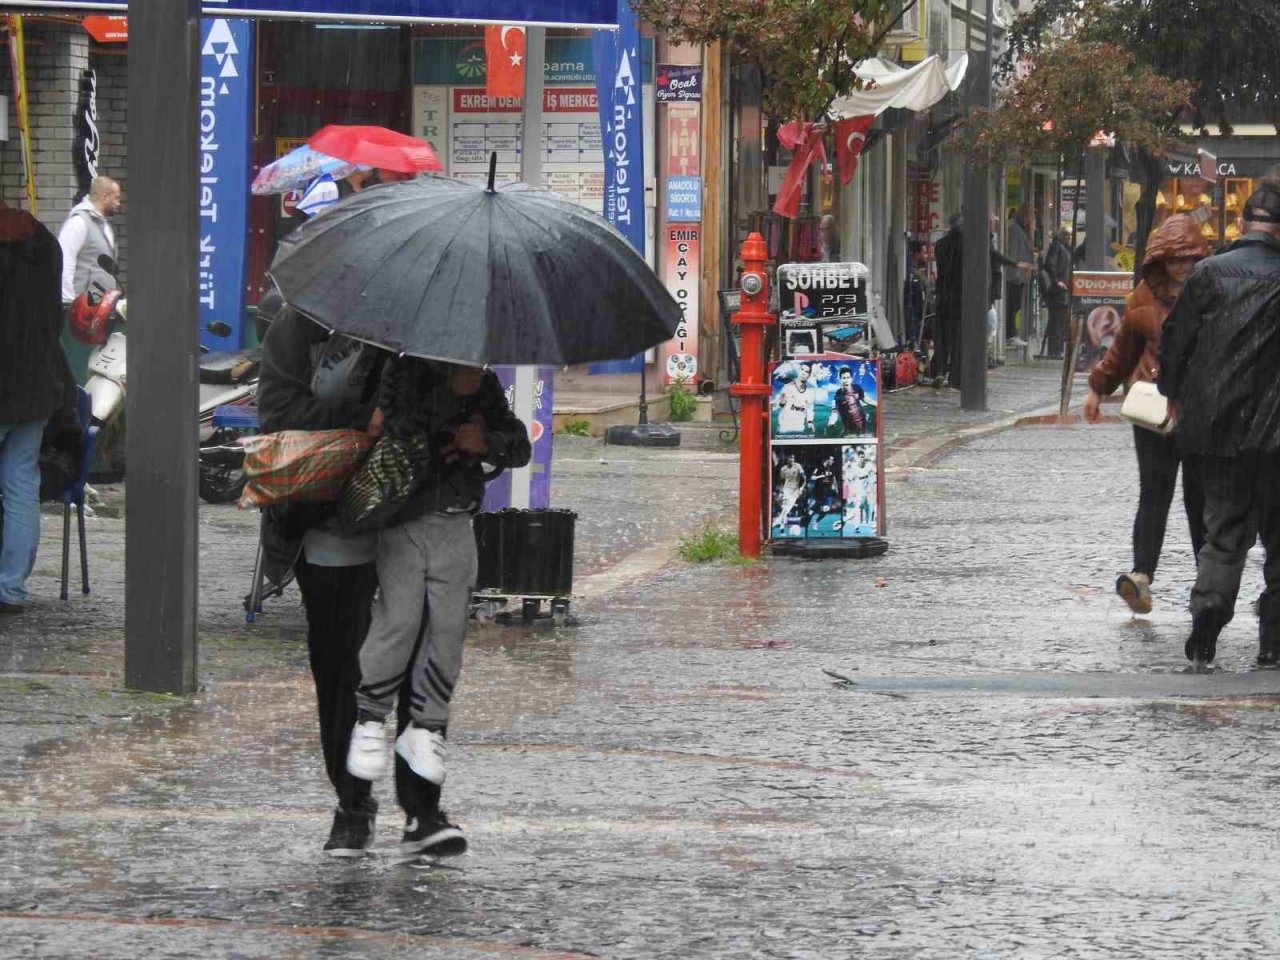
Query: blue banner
[[568, 13], [617, 57], [226, 87]]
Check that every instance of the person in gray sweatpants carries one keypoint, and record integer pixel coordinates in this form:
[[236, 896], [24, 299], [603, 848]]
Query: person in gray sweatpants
[[426, 571]]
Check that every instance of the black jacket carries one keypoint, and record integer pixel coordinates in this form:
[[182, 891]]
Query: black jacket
[[416, 401], [285, 402], [1220, 352], [1057, 263], [948, 254], [33, 368]]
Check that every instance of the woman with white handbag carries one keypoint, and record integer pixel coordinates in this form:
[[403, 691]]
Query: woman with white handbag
[[1172, 250]]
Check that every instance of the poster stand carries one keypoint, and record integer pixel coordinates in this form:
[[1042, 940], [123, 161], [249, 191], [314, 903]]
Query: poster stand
[[826, 464]]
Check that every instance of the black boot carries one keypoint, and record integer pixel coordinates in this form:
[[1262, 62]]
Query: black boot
[[1202, 645], [1268, 643]]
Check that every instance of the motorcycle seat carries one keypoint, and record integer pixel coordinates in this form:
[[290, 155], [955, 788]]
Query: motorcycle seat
[[229, 366]]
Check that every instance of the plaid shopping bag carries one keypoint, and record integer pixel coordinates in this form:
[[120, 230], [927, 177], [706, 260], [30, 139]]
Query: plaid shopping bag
[[384, 482], [300, 466]]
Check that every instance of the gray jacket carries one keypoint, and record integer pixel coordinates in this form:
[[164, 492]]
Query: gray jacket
[[1018, 249]]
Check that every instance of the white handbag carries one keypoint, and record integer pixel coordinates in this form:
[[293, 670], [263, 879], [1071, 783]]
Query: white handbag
[[1145, 406]]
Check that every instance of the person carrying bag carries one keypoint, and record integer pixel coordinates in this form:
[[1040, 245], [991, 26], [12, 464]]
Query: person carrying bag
[[1174, 248]]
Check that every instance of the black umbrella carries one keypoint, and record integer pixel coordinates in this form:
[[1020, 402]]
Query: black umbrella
[[448, 270]]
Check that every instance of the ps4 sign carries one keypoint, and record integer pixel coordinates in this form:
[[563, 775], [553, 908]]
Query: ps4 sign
[[602, 14]]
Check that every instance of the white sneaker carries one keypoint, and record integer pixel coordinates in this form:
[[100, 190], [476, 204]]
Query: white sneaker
[[423, 750], [367, 756]]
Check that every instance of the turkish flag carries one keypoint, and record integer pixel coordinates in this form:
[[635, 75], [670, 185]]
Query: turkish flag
[[851, 137], [504, 61]]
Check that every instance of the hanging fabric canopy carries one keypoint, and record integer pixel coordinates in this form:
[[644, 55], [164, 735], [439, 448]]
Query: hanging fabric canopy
[[905, 88]]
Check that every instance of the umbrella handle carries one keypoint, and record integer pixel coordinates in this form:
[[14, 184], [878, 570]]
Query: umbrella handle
[[493, 168]]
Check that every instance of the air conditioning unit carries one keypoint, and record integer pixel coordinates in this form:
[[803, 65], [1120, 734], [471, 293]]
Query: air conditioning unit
[[907, 26]]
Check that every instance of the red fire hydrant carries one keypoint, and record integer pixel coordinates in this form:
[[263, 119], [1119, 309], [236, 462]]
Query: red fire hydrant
[[752, 390]]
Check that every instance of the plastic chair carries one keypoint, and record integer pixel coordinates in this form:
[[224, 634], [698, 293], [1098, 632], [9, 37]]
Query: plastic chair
[[74, 494]]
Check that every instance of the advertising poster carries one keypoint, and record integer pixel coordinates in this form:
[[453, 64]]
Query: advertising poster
[[826, 474], [682, 272], [827, 397], [1097, 307], [825, 490]]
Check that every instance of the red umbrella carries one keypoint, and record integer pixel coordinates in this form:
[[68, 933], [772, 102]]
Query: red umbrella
[[376, 147]]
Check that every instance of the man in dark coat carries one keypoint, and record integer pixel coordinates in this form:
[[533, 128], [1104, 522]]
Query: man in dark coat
[[32, 387], [1220, 369], [949, 258], [1057, 265]]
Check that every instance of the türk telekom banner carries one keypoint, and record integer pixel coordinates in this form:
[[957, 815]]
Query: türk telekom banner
[[618, 83], [226, 63]]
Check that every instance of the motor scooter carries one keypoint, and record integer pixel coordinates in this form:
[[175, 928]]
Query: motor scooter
[[227, 378]]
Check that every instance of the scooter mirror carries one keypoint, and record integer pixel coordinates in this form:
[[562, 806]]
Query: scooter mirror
[[219, 329], [108, 264]]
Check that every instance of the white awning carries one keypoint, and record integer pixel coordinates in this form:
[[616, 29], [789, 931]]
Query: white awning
[[905, 88]]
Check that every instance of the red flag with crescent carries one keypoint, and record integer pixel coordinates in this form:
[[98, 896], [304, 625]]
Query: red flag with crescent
[[851, 137], [504, 61]]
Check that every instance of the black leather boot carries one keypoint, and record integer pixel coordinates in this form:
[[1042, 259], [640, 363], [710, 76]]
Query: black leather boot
[[1202, 645]]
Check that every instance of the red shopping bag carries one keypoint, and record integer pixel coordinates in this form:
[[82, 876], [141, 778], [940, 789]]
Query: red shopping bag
[[300, 466]]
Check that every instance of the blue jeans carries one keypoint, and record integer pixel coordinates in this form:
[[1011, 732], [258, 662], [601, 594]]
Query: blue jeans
[[20, 484]]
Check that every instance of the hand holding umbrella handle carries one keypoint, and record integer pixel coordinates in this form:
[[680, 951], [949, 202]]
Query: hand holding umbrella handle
[[470, 437]]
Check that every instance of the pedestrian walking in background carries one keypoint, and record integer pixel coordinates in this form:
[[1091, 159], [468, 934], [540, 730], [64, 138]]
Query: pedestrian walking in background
[[948, 256], [314, 381], [33, 385], [1220, 369], [426, 571], [1173, 250], [1018, 249], [1057, 267]]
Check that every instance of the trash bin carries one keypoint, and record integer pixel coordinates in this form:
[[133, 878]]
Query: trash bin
[[525, 552]]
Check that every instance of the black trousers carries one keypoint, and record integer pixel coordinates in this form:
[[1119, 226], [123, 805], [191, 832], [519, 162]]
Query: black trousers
[[1242, 502], [1013, 294], [1056, 332], [1158, 460], [338, 602]]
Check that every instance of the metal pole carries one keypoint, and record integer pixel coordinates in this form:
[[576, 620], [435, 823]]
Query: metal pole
[[1095, 239], [161, 599], [532, 143], [977, 246]]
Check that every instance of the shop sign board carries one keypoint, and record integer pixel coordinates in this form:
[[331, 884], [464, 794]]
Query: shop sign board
[[1097, 305], [226, 88], [826, 471], [601, 14], [682, 275], [810, 293], [684, 135], [677, 83], [684, 199]]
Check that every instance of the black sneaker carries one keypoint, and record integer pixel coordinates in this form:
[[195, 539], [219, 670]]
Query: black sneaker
[[352, 832], [432, 835]]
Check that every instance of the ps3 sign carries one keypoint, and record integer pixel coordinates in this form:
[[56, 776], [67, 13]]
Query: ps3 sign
[[815, 292]]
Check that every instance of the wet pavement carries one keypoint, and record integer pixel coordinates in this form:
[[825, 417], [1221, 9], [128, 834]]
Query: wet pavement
[[1011, 767]]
